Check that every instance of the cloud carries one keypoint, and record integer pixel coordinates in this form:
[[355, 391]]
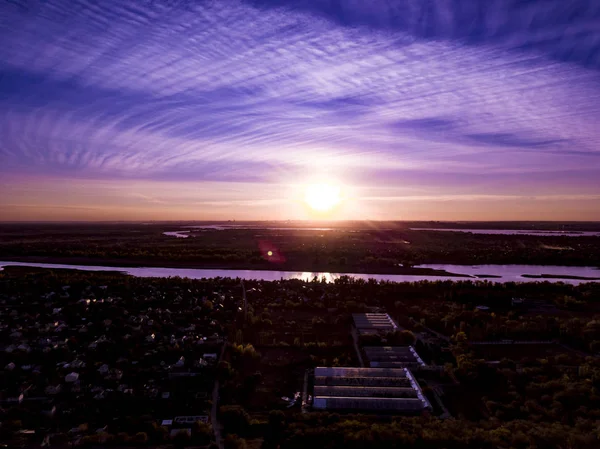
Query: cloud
[[565, 31], [513, 140], [267, 91]]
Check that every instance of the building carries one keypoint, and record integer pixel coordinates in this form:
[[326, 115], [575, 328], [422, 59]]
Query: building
[[190, 419], [368, 389], [373, 323], [392, 357]]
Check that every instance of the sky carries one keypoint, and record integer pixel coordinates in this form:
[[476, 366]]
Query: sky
[[213, 110]]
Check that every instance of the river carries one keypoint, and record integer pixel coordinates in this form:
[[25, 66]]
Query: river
[[186, 234], [537, 232], [504, 273]]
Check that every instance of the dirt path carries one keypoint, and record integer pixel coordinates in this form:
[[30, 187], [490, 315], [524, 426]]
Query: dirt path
[[215, 407]]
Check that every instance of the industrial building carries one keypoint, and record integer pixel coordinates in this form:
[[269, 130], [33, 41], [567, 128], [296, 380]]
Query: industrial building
[[392, 357], [373, 323], [368, 389]]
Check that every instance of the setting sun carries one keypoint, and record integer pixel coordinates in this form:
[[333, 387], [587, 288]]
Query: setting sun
[[322, 197]]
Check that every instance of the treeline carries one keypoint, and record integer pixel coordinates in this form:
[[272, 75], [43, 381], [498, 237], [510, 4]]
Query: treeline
[[332, 431], [550, 388], [371, 249]]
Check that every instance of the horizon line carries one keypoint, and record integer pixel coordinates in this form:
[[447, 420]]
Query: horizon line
[[285, 221]]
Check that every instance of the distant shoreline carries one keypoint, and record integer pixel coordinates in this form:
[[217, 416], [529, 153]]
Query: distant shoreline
[[395, 225], [553, 276]]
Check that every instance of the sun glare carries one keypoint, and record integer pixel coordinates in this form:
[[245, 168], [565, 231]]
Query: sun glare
[[322, 197]]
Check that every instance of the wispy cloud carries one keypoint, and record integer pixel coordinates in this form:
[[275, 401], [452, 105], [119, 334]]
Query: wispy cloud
[[263, 91]]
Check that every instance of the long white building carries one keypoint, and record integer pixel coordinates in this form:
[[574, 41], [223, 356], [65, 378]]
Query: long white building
[[373, 323], [392, 357], [368, 389]]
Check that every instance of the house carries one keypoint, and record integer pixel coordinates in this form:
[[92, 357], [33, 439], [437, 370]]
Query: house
[[49, 411], [71, 377], [52, 389], [516, 302], [191, 419], [13, 399], [23, 347], [77, 364]]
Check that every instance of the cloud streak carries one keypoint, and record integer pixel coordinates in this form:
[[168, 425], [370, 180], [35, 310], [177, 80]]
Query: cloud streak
[[263, 91]]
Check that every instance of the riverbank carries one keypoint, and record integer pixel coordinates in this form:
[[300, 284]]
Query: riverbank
[[553, 276]]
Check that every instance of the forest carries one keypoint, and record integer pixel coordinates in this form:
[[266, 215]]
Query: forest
[[377, 248]]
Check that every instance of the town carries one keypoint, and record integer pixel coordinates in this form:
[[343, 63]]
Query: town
[[299, 224], [98, 359]]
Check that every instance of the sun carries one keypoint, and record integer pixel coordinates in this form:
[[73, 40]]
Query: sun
[[322, 197]]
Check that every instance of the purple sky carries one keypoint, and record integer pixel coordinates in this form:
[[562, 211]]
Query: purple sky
[[175, 109]]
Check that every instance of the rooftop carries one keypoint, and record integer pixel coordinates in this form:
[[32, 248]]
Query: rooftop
[[392, 357], [366, 323], [367, 389]]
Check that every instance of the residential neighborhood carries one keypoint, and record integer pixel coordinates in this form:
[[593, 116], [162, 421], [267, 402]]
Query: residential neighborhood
[[89, 363], [106, 359]]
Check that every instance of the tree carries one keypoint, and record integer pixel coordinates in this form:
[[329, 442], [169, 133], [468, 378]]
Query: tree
[[59, 439], [224, 371], [140, 438], [122, 438], [239, 337], [460, 337], [234, 442], [403, 338], [235, 419], [181, 438], [276, 419], [250, 383], [202, 433]]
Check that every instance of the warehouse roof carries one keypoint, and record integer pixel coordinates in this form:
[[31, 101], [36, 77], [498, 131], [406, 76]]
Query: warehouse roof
[[360, 403], [367, 389], [346, 391], [392, 357], [359, 372], [374, 322]]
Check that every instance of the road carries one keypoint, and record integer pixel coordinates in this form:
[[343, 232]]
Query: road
[[215, 407]]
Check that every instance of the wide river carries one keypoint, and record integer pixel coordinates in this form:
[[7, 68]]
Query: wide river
[[536, 232], [505, 273]]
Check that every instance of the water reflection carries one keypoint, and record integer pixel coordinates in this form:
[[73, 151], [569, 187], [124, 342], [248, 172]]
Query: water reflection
[[178, 234], [491, 273], [535, 232], [327, 277]]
